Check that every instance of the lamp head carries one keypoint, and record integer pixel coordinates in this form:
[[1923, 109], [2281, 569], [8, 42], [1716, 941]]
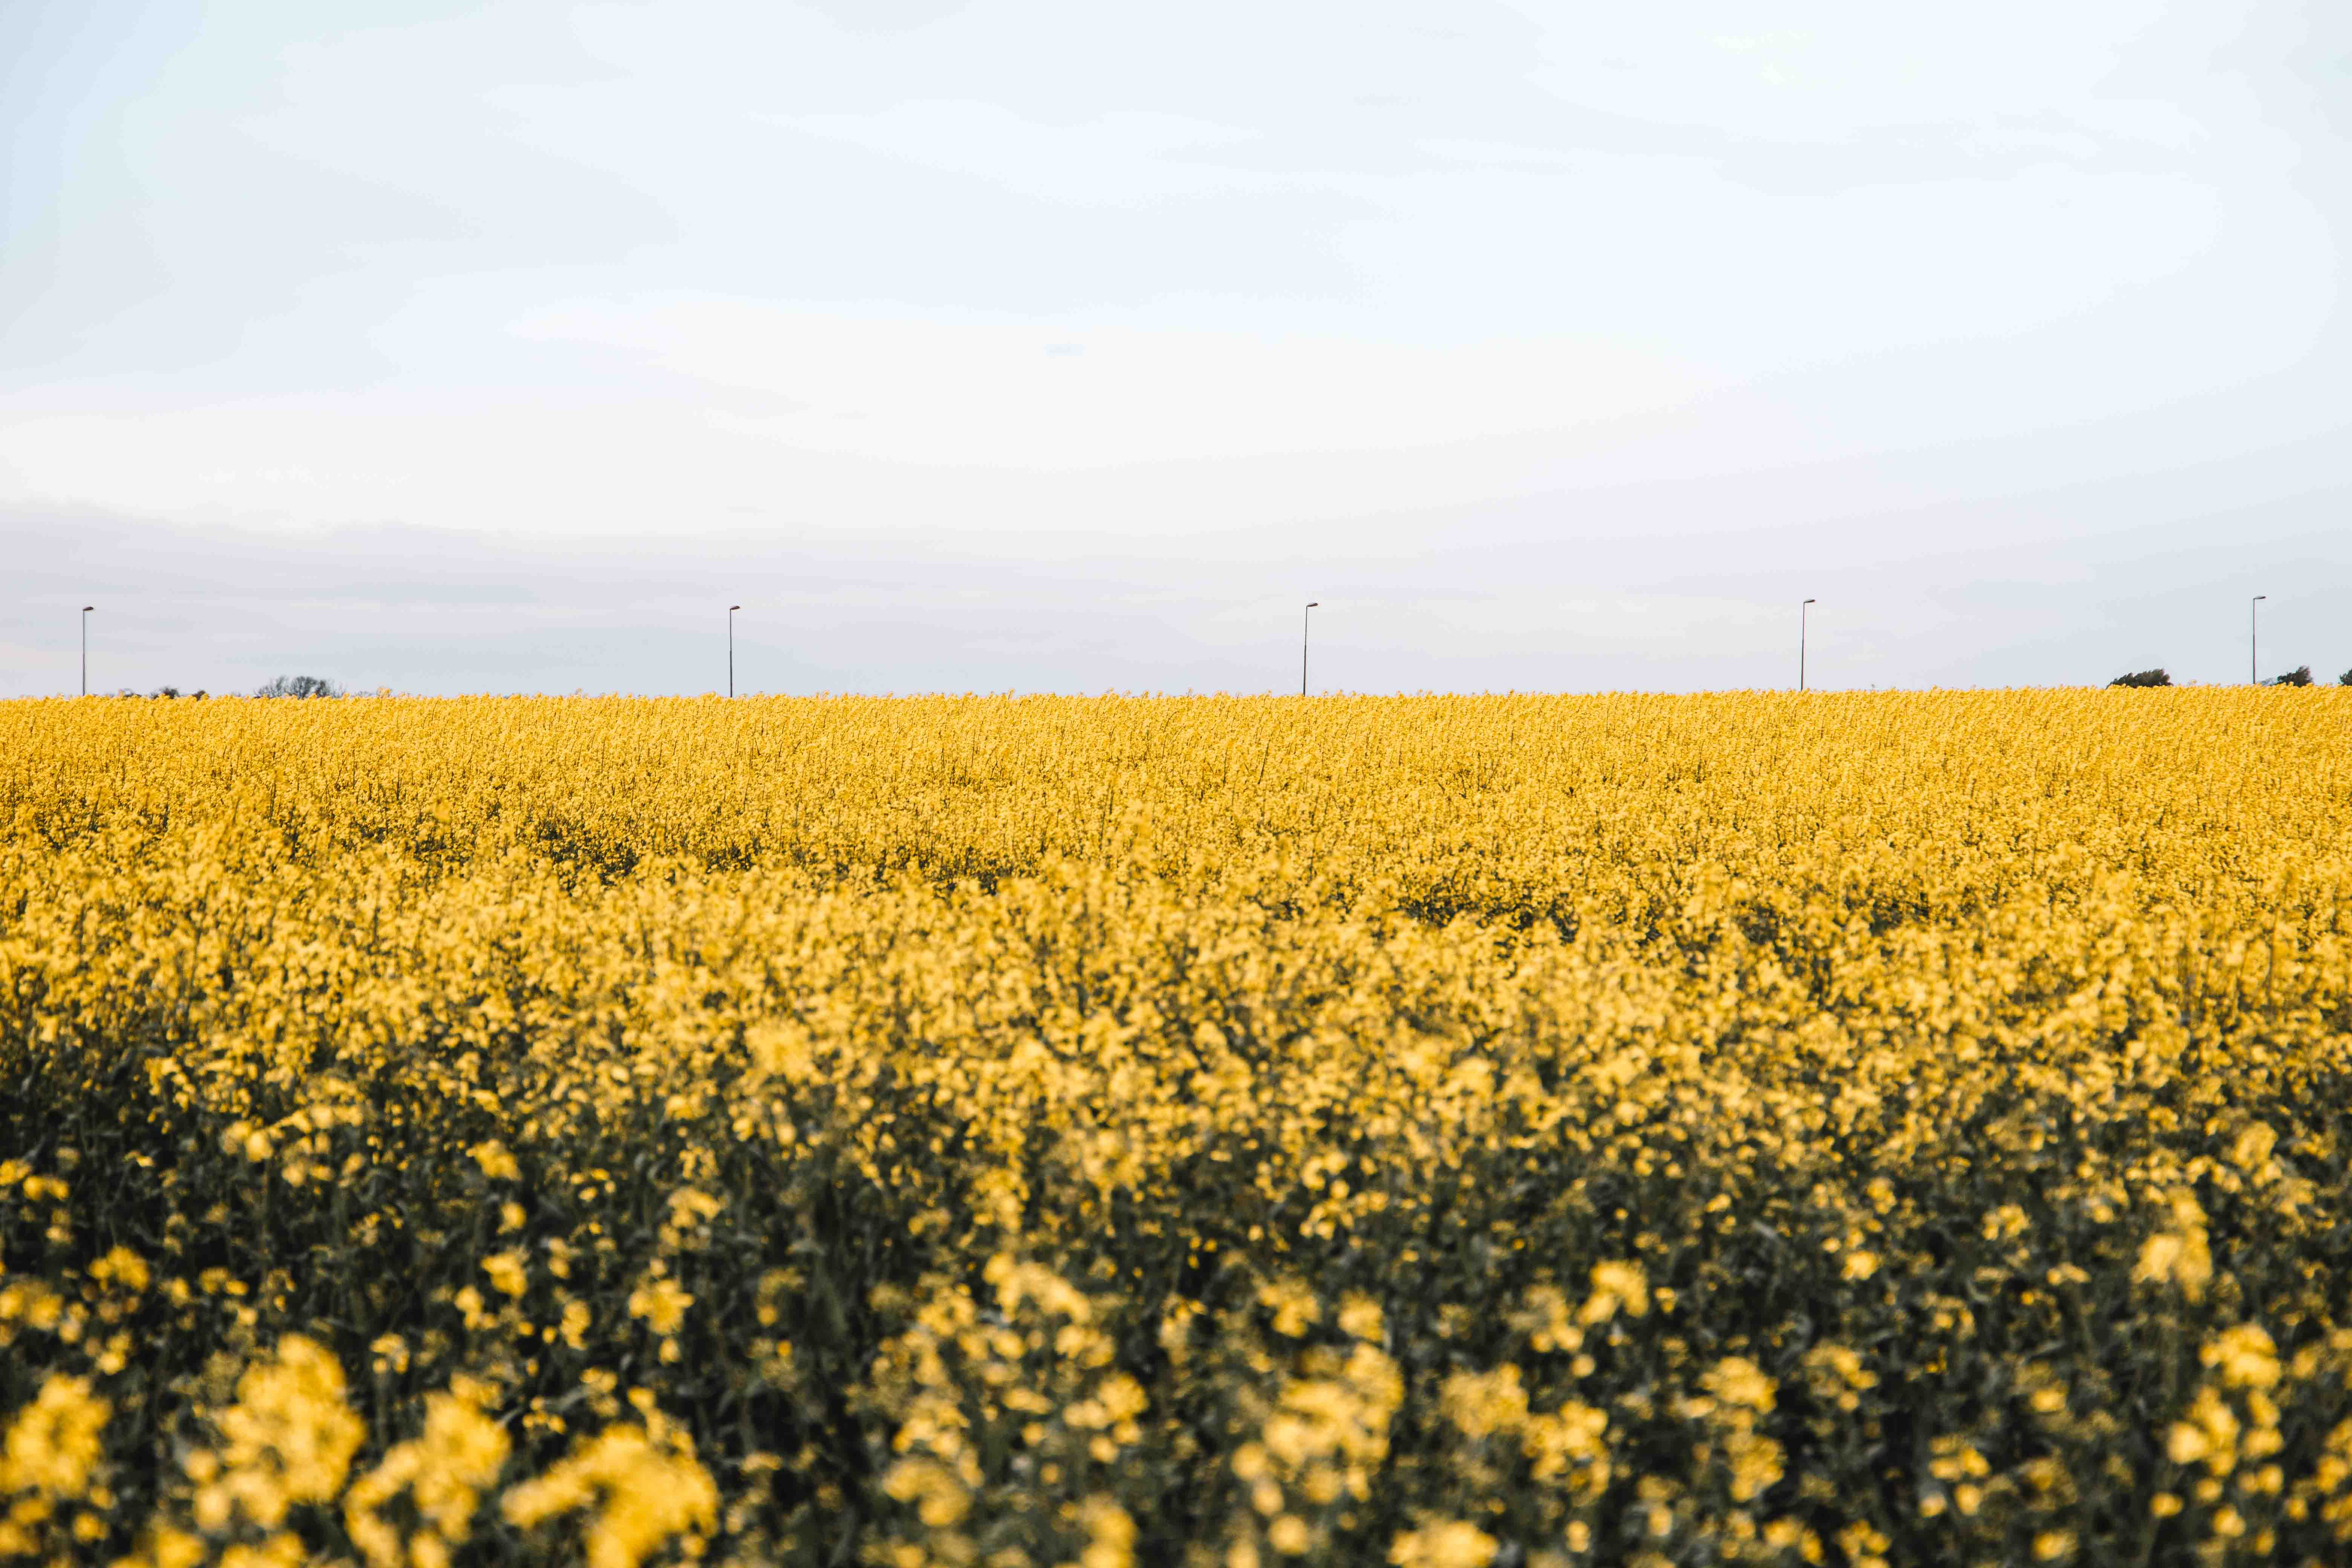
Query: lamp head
[[734, 607], [1812, 601], [1313, 603], [87, 608]]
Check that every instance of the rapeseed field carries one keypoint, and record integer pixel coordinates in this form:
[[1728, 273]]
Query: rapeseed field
[[1227, 1133]]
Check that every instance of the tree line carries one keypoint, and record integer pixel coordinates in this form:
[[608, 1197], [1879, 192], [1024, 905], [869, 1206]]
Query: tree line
[[2299, 675]]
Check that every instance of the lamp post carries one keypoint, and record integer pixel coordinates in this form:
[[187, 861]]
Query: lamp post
[[1803, 610], [2255, 640], [85, 609], [730, 648], [1305, 617]]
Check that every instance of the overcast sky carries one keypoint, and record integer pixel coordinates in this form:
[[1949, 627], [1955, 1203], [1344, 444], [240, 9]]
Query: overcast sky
[[500, 347]]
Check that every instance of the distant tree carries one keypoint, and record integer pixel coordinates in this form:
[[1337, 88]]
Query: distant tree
[[299, 685], [166, 691], [2299, 675], [2344, 678], [2142, 678]]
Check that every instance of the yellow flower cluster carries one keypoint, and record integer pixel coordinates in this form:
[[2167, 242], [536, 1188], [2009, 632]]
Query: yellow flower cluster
[[1222, 1133]]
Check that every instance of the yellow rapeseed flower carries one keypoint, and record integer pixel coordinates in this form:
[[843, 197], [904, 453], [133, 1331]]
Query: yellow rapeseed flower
[[52, 1446], [1449, 1544]]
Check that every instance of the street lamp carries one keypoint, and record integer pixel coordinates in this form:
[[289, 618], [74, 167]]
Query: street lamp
[[1305, 617], [85, 609], [2255, 640], [730, 648], [1801, 613]]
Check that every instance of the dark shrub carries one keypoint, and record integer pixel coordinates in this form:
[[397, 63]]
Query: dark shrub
[[299, 685]]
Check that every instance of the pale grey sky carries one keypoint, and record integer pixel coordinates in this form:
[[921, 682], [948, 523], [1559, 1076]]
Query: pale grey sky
[[500, 346]]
